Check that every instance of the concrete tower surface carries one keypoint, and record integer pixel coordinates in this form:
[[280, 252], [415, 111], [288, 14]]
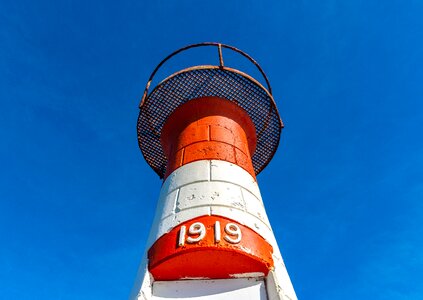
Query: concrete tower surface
[[208, 131]]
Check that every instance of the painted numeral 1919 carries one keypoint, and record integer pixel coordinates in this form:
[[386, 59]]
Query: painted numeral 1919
[[197, 231]]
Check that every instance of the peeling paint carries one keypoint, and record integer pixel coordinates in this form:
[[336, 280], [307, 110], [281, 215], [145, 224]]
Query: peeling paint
[[248, 275]]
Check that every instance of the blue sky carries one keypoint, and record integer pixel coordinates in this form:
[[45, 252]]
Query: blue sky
[[344, 191]]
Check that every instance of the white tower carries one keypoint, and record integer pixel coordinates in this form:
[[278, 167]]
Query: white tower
[[208, 131]]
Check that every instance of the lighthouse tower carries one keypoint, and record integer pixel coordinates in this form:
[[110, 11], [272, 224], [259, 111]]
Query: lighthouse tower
[[207, 131]]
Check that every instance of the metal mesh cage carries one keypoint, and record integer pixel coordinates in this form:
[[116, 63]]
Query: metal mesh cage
[[201, 81]]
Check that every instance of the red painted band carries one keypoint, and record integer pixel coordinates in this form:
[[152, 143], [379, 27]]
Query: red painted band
[[209, 128], [174, 257]]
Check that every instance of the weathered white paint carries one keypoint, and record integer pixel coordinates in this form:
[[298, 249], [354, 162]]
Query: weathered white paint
[[187, 174], [229, 289], [226, 171], [213, 187], [143, 286], [277, 286], [209, 193], [254, 206], [206, 190]]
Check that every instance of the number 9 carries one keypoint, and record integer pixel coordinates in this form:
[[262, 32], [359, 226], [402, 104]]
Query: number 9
[[234, 230], [196, 228]]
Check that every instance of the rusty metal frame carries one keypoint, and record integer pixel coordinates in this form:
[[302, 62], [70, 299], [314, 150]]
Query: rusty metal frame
[[154, 134], [205, 44]]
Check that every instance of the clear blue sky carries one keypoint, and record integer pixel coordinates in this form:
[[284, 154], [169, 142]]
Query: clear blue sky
[[344, 192]]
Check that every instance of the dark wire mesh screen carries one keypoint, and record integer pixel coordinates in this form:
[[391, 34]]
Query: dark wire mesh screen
[[199, 82]]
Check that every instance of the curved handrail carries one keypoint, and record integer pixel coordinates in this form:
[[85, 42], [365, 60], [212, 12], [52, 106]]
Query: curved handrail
[[219, 45]]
